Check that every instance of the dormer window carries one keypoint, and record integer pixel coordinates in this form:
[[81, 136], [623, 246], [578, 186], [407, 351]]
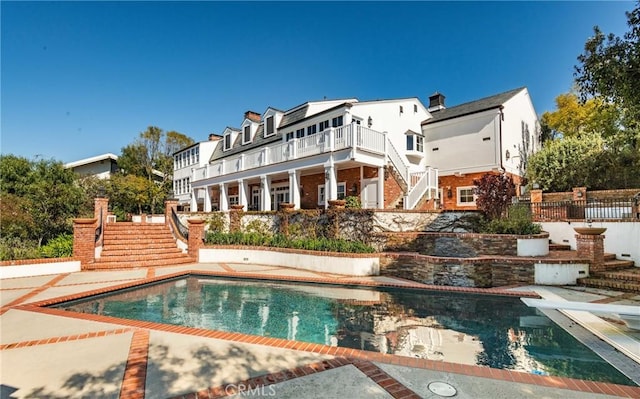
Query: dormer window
[[246, 134], [269, 126], [227, 142], [415, 142]]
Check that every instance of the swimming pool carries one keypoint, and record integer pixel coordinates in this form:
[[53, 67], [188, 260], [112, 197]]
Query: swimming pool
[[487, 330]]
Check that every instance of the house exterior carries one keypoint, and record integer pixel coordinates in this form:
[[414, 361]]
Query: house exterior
[[495, 134], [320, 151], [185, 162], [100, 166]]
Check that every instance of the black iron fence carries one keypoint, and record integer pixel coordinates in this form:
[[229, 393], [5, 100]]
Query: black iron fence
[[596, 209], [181, 228]]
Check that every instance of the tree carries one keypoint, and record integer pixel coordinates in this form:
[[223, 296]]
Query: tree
[[493, 194], [151, 157], [575, 119]]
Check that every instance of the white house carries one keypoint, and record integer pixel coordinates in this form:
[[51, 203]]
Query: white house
[[319, 151], [185, 162], [100, 166], [495, 134]]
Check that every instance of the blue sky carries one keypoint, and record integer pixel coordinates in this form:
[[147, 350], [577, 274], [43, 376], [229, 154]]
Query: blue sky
[[85, 78]]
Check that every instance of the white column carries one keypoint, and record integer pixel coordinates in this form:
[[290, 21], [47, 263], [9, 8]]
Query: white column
[[381, 187], [207, 199], [224, 197], [265, 193], [294, 188], [194, 200], [330, 185], [242, 194]]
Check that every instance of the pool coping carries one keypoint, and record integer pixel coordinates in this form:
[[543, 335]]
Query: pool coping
[[134, 368]]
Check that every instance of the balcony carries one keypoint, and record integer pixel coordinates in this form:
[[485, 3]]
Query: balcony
[[351, 136]]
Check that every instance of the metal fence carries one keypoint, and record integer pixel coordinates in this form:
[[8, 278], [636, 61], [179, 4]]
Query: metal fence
[[596, 209]]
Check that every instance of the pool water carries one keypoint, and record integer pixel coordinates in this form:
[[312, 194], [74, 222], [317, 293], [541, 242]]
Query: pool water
[[486, 330]]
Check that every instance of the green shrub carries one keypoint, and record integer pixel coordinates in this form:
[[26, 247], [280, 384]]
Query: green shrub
[[353, 201], [14, 248], [216, 222], [517, 221], [59, 247], [281, 241]]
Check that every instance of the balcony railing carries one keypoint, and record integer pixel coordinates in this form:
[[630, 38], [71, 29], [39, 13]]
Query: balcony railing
[[621, 209], [332, 139]]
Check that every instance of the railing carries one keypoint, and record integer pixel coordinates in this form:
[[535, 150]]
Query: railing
[[99, 229], [619, 209], [348, 136], [181, 228], [398, 163], [421, 182]]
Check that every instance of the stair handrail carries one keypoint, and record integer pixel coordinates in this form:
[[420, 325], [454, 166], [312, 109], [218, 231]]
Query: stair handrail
[[424, 183], [181, 229], [99, 230], [397, 161]]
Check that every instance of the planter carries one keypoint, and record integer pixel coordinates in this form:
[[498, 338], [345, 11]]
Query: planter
[[337, 204], [286, 206], [590, 231], [237, 207]]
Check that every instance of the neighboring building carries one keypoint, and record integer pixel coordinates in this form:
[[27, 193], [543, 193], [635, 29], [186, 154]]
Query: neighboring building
[[185, 162], [100, 166], [319, 151], [495, 134]]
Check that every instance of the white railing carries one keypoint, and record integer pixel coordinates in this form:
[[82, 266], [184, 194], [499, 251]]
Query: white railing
[[398, 163], [348, 136], [422, 182]]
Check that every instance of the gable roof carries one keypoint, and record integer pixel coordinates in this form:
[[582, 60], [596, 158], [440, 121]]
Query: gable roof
[[472, 107]]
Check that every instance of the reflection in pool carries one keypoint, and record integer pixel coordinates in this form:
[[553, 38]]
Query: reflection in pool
[[495, 331]]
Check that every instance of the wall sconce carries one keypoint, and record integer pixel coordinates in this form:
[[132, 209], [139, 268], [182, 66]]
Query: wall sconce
[[326, 175], [369, 122], [449, 193], [386, 172], [354, 189]]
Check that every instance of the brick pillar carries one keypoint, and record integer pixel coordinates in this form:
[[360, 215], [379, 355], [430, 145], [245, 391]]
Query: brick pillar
[[84, 240], [101, 207], [285, 215], [235, 218], [579, 193], [196, 237], [168, 206], [591, 246]]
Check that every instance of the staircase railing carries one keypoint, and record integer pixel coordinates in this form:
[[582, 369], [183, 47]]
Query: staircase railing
[[422, 182], [398, 163], [99, 230], [181, 229]]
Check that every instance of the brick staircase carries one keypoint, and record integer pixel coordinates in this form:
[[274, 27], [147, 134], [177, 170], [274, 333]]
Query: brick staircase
[[619, 275], [130, 245]]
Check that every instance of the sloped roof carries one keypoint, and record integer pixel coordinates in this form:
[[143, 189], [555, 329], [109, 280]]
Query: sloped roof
[[472, 107]]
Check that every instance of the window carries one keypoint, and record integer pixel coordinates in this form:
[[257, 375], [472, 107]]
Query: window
[[338, 121], [300, 133], [324, 125], [311, 130], [175, 163], [246, 138], [466, 196], [415, 108], [342, 189], [289, 136], [227, 142], [419, 143], [233, 200], [269, 127], [197, 155], [401, 109], [409, 143]]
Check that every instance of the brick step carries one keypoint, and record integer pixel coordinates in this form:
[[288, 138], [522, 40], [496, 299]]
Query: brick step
[[559, 247], [608, 256], [138, 233], [134, 264], [106, 258], [605, 283], [617, 264], [139, 250], [124, 225], [126, 245], [631, 274], [140, 240]]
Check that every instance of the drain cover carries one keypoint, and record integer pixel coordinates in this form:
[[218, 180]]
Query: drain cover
[[442, 389]]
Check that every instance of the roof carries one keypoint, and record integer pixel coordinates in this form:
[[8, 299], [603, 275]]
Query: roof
[[472, 107], [91, 160]]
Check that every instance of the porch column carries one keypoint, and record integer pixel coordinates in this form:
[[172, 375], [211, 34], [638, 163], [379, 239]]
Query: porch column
[[207, 199], [294, 188], [381, 187], [330, 185], [194, 200], [265, 193], [242, 193], [224, 197]]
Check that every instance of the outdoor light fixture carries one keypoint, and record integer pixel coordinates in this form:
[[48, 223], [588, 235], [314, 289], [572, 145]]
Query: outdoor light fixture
[[354, 188], [449, 193], [369, 122], [326, 175]]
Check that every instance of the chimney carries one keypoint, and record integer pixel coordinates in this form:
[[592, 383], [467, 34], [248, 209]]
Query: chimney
[[436, 102], [214, 137], [254, 116]]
